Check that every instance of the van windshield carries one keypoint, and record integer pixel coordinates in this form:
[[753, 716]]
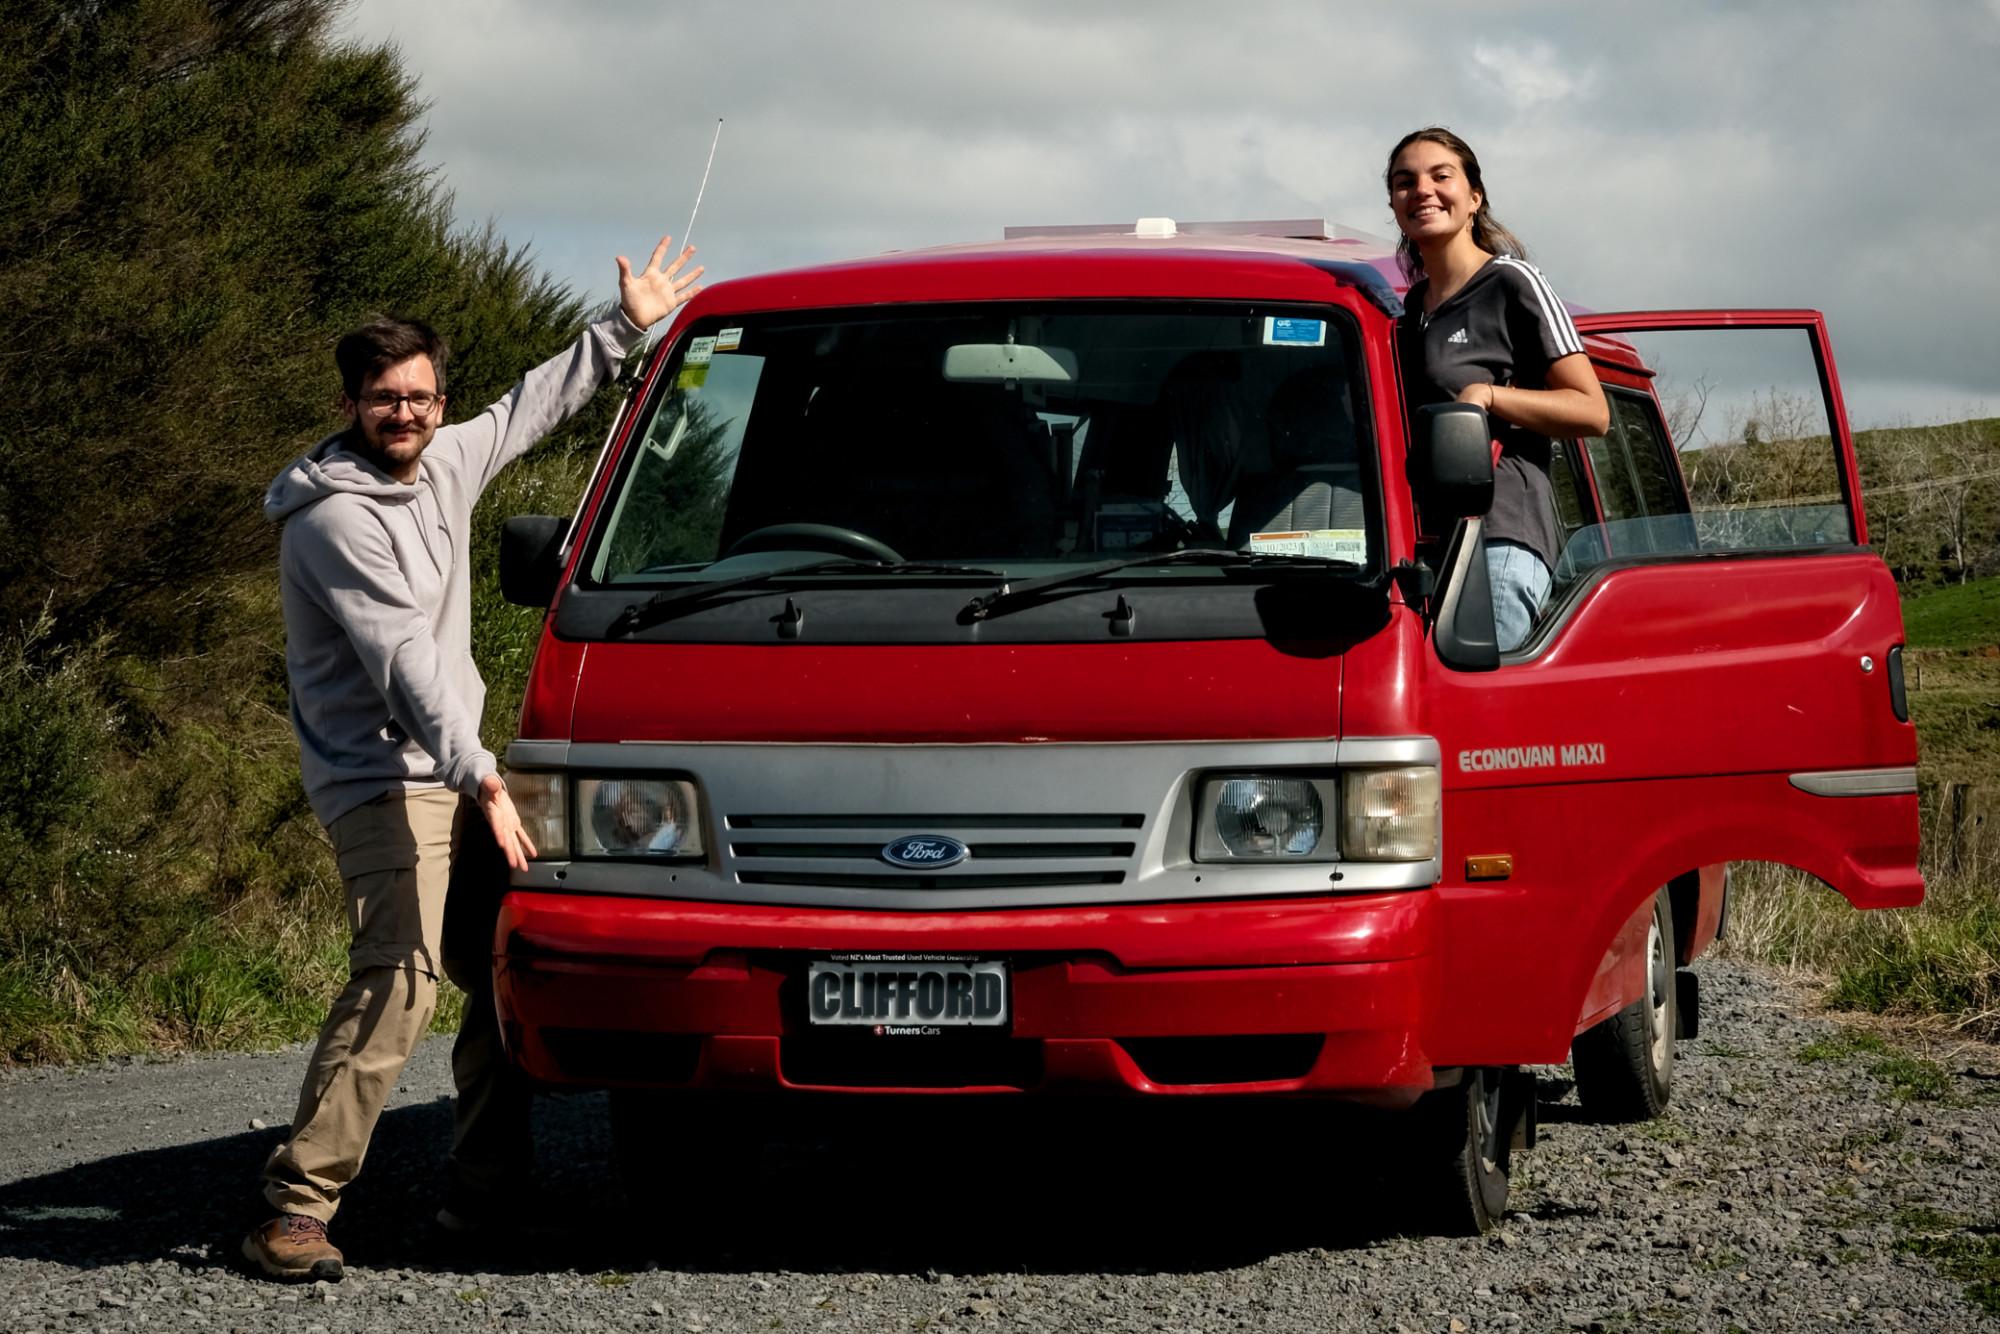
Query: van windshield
[[1003, 437]]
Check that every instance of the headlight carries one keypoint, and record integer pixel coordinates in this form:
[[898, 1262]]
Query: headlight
[[542, 801], [1251, 818], [637, 817], [1389, 815]]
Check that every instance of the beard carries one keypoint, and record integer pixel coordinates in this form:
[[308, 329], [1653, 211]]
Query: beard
[[391, 455]]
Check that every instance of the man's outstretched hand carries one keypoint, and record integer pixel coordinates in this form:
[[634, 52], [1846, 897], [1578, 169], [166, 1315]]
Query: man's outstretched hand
[[498, 808], [653, 293]]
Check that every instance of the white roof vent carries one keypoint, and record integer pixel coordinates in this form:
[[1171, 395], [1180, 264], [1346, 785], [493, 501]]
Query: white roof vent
[[1157, 228]]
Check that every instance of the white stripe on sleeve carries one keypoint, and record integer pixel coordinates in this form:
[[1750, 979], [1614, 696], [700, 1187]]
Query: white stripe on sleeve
[[1554, 314]]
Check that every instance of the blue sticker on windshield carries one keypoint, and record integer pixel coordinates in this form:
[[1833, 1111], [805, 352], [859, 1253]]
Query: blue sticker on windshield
[[1291, 331]]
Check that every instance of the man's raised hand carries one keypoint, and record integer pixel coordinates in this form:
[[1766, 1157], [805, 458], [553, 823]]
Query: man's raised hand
[[653, 293]]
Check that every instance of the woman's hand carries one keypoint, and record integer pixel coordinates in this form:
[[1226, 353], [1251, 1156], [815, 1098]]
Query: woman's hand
[[1572, 405], [653, 293]]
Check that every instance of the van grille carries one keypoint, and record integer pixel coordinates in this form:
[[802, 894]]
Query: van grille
[[1003, 851]]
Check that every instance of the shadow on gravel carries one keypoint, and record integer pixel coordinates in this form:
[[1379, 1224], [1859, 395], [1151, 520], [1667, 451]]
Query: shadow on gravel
[[877, 1184]]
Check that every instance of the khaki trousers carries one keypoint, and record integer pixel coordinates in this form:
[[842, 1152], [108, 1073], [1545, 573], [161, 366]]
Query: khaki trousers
[[396, 856]]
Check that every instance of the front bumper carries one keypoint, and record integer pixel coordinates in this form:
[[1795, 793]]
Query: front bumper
[[1323, 997]]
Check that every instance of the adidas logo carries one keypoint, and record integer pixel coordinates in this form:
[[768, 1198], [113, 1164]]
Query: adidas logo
[[1458, 337]]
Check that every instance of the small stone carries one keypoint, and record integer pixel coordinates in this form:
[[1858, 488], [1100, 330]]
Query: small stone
[[407, 1298], [983, 1307], [655, 1308], [1457, 1326], [258, 1123], [1681, 1291]]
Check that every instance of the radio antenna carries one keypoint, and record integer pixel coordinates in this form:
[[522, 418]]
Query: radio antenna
[[687, 237]]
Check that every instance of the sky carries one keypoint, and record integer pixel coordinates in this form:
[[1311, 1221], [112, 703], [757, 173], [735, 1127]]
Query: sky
[[1822, 153]]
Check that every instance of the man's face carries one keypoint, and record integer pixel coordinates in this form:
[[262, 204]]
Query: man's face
[[391, 427]]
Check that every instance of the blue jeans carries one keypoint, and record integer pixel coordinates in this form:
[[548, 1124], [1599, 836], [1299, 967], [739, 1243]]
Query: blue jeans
[[1520, 586]]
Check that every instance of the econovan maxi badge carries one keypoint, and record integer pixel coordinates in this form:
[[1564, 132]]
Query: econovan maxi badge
[[924, 852]]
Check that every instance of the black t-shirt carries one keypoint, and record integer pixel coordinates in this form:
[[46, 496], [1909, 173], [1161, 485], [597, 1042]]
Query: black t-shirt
[[1504, 327]]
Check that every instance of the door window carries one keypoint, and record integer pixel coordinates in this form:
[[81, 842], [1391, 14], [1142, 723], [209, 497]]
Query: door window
[[1733, 449]]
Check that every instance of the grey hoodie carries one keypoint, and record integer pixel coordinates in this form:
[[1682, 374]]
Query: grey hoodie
[[377, 591]]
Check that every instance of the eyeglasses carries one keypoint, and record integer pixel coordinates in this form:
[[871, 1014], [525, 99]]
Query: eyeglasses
[[382, 403]]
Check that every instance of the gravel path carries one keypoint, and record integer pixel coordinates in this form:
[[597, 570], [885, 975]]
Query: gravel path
[[1801, 1179]]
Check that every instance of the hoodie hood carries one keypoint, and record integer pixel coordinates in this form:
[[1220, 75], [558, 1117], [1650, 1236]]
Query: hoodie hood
[[330, 467]]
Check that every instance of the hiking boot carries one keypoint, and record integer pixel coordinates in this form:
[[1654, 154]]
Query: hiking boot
[[293, 1246]]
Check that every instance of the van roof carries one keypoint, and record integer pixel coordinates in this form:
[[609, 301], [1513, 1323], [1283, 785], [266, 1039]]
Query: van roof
[[1199, 260]]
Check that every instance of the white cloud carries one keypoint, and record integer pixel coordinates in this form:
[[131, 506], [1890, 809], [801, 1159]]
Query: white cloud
[[1532, 74], [1793, 152]]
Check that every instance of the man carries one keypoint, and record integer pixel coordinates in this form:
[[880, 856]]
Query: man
[[386, 703]]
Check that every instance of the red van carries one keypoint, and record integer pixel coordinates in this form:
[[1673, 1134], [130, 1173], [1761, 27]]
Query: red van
[[1063, 665]]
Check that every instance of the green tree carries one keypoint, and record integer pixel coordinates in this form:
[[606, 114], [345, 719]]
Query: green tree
[[203, 196]]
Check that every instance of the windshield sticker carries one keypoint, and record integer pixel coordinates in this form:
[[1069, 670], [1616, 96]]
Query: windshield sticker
[[1350, 544], [728, 340], [1291, 331], [694, 366]]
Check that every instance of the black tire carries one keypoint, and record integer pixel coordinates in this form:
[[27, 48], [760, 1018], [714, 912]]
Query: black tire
[[1459, 1151], [1625, 1065]]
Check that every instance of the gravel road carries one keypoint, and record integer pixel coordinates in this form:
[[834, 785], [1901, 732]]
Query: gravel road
[[1797, 1182]]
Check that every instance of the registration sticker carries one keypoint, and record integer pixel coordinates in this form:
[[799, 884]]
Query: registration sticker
[[694, 366], [1349, 544], [1292, 331], [728, 340]]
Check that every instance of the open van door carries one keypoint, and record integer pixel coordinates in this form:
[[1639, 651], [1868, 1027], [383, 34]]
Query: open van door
[[1717, 675]]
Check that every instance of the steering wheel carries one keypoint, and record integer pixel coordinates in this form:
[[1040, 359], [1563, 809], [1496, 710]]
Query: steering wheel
[[814, 537]]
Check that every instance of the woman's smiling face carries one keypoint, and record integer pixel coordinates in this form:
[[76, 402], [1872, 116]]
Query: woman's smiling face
[[1429, 194]]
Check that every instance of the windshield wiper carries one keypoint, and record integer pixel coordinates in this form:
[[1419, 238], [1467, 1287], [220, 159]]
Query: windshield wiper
[[1009, 595], [639, 615]]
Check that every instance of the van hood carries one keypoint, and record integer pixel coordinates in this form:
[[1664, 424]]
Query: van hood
[[1223, 689]]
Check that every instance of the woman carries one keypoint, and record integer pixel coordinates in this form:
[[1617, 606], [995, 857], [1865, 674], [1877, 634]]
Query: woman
[[1481, 325]]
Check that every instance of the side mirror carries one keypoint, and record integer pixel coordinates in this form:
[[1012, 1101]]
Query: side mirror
[[1464, 633], [530, 559], [1452, 465]]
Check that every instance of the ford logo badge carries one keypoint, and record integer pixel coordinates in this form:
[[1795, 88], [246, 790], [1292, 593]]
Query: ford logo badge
[[924, 852]]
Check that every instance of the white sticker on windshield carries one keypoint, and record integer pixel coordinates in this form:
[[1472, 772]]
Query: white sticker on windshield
[[728, 340], [1291, 331], [1349, 544], [700, 352]]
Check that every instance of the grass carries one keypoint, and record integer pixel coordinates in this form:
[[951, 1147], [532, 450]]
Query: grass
[[227, 986], [1958, 616], [1938, 962], [1912, 1078], [1841, 1046], [1966, 1252]]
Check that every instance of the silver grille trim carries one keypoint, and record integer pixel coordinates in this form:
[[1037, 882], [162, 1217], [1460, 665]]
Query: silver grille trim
[[1047, 824]]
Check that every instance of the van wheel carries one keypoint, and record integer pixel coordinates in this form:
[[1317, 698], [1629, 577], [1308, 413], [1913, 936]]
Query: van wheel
[[1460, 1152], [1625, 1065]]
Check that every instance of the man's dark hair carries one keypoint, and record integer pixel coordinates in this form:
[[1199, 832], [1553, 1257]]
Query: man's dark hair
[[380, 344]]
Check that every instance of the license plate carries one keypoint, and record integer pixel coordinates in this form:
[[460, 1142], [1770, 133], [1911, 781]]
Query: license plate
[[909, 992]]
